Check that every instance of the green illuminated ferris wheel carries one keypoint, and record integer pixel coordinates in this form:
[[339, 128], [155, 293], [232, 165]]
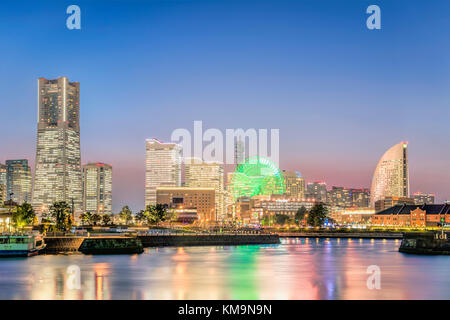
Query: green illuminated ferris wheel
[[256, 176]]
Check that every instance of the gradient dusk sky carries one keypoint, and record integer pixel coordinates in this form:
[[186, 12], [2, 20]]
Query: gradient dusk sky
[[340, 94]]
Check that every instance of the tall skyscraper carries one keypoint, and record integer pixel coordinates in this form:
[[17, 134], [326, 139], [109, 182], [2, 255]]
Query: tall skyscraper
[[239, 150], [391, 176], [162, 167], [2, 184], [317, 191], [58, 157], [18, 181], [97, 188], [3, 174], [295, 184], [206, 174]]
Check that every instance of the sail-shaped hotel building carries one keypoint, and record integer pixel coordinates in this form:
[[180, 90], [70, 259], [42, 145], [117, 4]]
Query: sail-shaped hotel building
[[391, 176]]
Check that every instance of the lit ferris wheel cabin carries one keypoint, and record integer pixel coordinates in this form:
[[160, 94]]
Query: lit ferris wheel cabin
[[256, 176]]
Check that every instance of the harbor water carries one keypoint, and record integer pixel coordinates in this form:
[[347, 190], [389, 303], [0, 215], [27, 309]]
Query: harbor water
[[298, 268]]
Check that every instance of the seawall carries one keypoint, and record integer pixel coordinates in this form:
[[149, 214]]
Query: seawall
[[72, 244], [62, 244], [430, 243], [208, 240]]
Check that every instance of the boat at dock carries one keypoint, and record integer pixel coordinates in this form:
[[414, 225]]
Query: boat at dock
[[430, 243], [111, 245], [20, 245]]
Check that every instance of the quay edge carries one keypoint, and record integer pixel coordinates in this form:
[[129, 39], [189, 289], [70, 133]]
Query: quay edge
[[72, 244]]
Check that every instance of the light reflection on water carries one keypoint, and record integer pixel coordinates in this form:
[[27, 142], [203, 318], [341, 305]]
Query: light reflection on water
[[297, 269]]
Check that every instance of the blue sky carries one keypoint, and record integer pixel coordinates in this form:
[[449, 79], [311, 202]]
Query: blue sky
[[339, 93]]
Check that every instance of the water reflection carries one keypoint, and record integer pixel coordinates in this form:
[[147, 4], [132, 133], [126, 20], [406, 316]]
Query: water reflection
[[243, 272], [302, 268]]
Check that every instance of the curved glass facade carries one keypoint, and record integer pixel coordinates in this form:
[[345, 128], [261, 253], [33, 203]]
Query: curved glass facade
[[391, 176]]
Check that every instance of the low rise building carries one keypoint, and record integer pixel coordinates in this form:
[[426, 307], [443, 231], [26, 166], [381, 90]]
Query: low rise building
[[406, 215], [253, 210], [200, 199], [352, 215], [423, 198], [184, 215], [388, 202]]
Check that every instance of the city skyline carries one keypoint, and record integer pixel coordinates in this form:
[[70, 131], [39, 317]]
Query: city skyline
[[225, 158], [339, 93], [172, 152], [162, 146]]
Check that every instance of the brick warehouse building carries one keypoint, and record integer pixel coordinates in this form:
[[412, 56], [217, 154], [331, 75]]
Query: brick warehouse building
[[406, 215]]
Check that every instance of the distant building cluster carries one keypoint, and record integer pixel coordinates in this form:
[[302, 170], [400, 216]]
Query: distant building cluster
[[194, 189]]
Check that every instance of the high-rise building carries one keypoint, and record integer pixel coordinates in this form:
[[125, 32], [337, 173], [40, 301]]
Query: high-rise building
[[360, 197], [295, 184], [228, 203], [339, 197], [423, 198], [206, 174], [18, 181], [2, 184], [97, 188], [317, 191], [162, 167], [391, 176], [58, 157], [3, 174], [239, 151], [2, 194]]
